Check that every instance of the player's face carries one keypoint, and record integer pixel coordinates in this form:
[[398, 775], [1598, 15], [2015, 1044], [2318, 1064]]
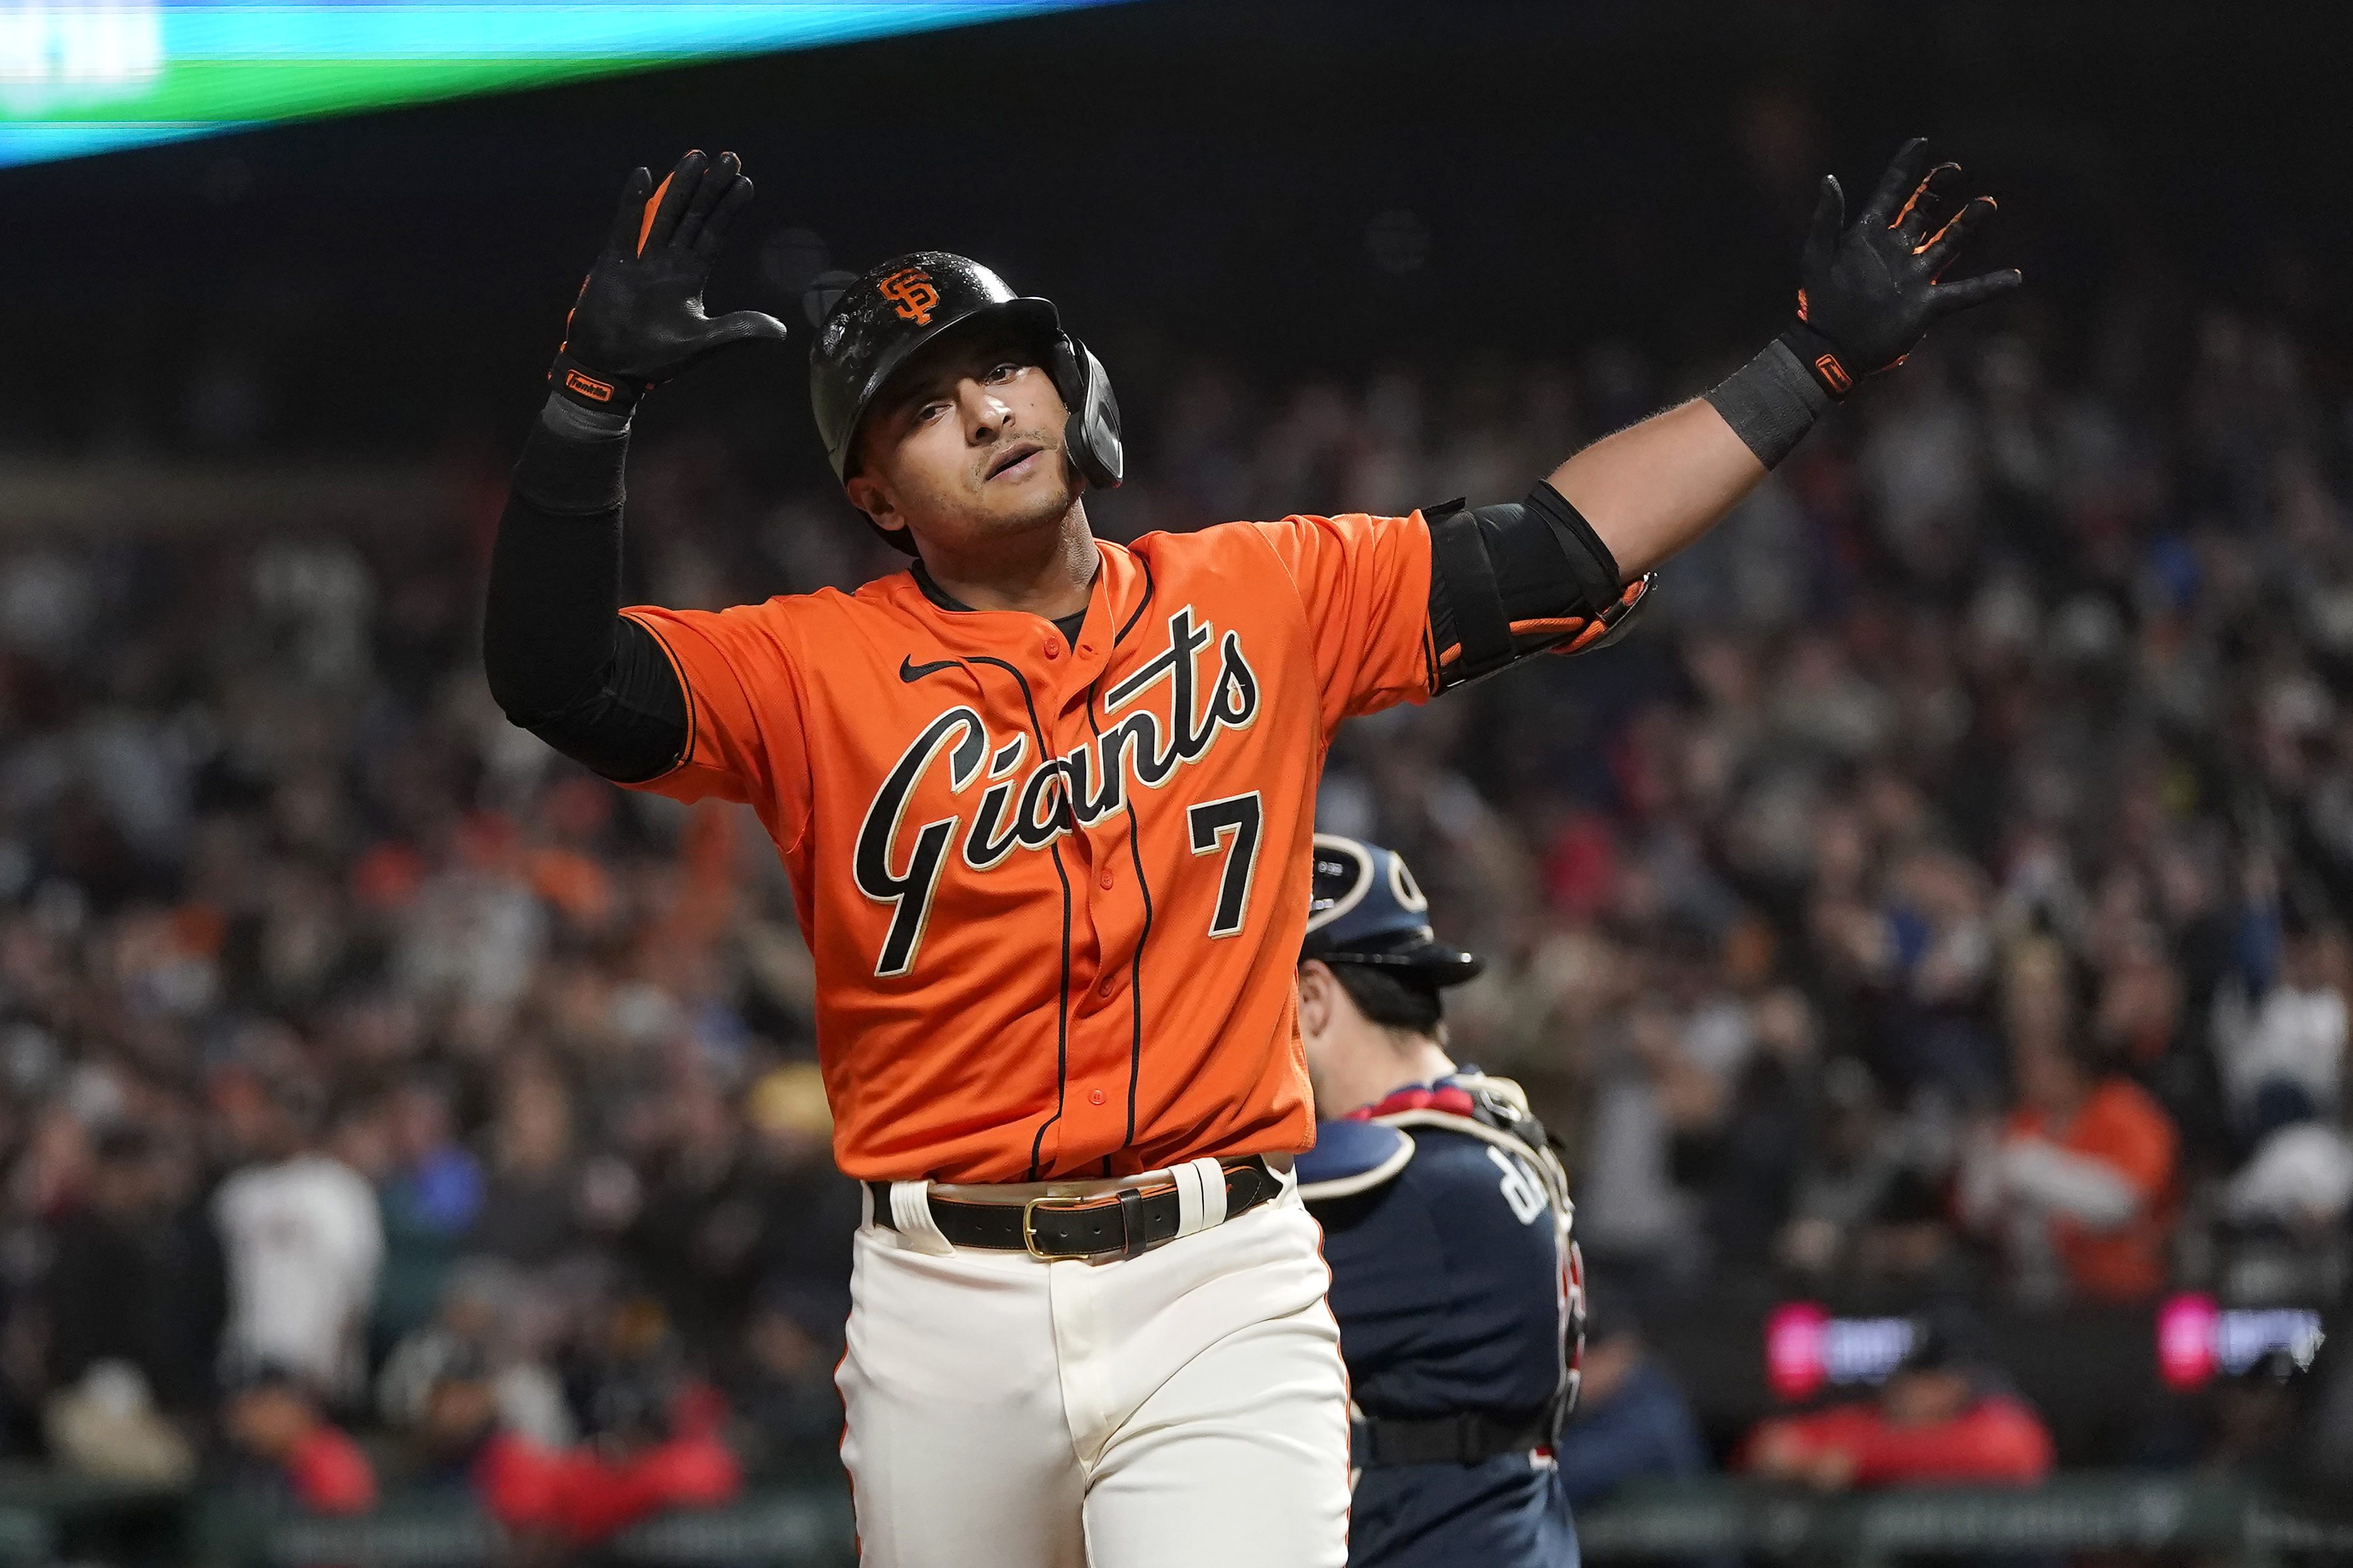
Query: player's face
[[967, 445]]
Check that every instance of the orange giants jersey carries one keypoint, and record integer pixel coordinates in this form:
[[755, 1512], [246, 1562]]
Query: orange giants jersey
[[1055, 893]]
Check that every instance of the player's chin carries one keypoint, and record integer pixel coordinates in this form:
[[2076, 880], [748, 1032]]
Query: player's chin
[[1039, 501]]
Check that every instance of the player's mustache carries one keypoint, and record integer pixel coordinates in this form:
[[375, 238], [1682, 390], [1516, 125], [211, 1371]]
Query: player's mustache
[[1048, 440]]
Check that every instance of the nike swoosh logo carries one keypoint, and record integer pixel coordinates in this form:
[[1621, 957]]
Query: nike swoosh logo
[[910, 672]]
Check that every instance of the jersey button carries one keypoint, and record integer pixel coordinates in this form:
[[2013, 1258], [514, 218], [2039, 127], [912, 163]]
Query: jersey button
[[1107, 988], [1053, 647], [1094, 1097], [1105, 879]]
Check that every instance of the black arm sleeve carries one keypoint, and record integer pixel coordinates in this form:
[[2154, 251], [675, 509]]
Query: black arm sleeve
[[562, 661], [1520, 578]]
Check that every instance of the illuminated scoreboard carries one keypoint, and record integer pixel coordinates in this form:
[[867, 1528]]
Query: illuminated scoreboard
[[89, 76]]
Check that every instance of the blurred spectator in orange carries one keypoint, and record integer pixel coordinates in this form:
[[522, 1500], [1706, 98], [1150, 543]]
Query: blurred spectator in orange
[[1938, 1420], [2076, 1185]]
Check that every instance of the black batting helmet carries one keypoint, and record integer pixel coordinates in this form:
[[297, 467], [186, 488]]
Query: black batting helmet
[[886, 315]]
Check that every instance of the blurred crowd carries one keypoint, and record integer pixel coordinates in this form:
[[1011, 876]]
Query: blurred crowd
[[1945, 895], [363, 1069], [1941, 896]]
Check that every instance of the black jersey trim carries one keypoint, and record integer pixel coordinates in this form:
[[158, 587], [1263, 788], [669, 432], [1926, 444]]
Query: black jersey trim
[[686, 690], [933, 591], [1146, 605]]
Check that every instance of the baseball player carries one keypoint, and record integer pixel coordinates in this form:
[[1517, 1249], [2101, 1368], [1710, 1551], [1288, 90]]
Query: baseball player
[[1447, 1224], [1046, 804]]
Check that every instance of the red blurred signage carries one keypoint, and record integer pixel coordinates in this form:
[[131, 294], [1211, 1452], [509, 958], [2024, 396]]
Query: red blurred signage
[[2185, 1340], [1793, 1348]]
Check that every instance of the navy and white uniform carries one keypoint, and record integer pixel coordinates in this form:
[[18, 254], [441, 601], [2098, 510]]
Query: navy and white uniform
[[1447, 1225]]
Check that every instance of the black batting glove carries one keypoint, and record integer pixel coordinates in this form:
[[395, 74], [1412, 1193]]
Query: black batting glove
[[638, 320], [1869, 292]]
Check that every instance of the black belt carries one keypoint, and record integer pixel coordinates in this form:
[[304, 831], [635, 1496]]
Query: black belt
[[1122, 1224], [1468, 1438]]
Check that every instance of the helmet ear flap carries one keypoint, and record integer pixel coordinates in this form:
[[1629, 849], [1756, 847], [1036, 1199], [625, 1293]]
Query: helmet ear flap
[[1091, 434]]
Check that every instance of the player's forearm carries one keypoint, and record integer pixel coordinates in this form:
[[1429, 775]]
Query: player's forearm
[[1654, 488], [555, 572], [561, 660]]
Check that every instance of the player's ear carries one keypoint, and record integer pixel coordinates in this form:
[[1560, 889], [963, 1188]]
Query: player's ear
[[1315, 988], [873, 498]]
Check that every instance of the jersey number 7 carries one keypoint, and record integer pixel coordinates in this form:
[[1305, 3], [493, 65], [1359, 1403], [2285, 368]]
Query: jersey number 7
[[1212, 820]]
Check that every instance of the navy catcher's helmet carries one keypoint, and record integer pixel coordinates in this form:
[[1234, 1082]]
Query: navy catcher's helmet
[[1365, 907], [883, 317]]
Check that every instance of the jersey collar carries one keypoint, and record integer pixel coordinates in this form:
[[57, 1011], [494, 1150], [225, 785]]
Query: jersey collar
[[1118, 603]]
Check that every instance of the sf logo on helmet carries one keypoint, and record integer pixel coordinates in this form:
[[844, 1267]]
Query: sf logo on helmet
[[913, 289]]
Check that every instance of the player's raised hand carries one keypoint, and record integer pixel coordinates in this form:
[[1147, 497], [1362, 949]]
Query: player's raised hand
[[639, 320], [1868, 291]]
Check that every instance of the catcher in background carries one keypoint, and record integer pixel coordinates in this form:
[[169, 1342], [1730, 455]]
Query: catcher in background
[[1447, 1224]]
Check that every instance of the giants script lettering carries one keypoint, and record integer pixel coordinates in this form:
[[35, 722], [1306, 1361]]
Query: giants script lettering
[[1018, 811]]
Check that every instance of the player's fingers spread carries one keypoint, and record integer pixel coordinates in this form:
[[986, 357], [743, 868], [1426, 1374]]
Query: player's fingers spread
[[1902, 174], [688, 174], [1939, 247], [1947, 298], [717, 179], [714, 227], [663, 211], [630, 214], [1830, 216], [1930, 198]]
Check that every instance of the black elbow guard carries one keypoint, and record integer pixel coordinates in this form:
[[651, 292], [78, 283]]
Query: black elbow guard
[[1521, 578], [634, 725]]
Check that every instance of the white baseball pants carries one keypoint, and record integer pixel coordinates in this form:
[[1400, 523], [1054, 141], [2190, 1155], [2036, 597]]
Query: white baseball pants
[[1182, 1409]]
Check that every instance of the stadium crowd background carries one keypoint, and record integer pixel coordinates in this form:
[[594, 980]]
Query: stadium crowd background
[[1940, 905]]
